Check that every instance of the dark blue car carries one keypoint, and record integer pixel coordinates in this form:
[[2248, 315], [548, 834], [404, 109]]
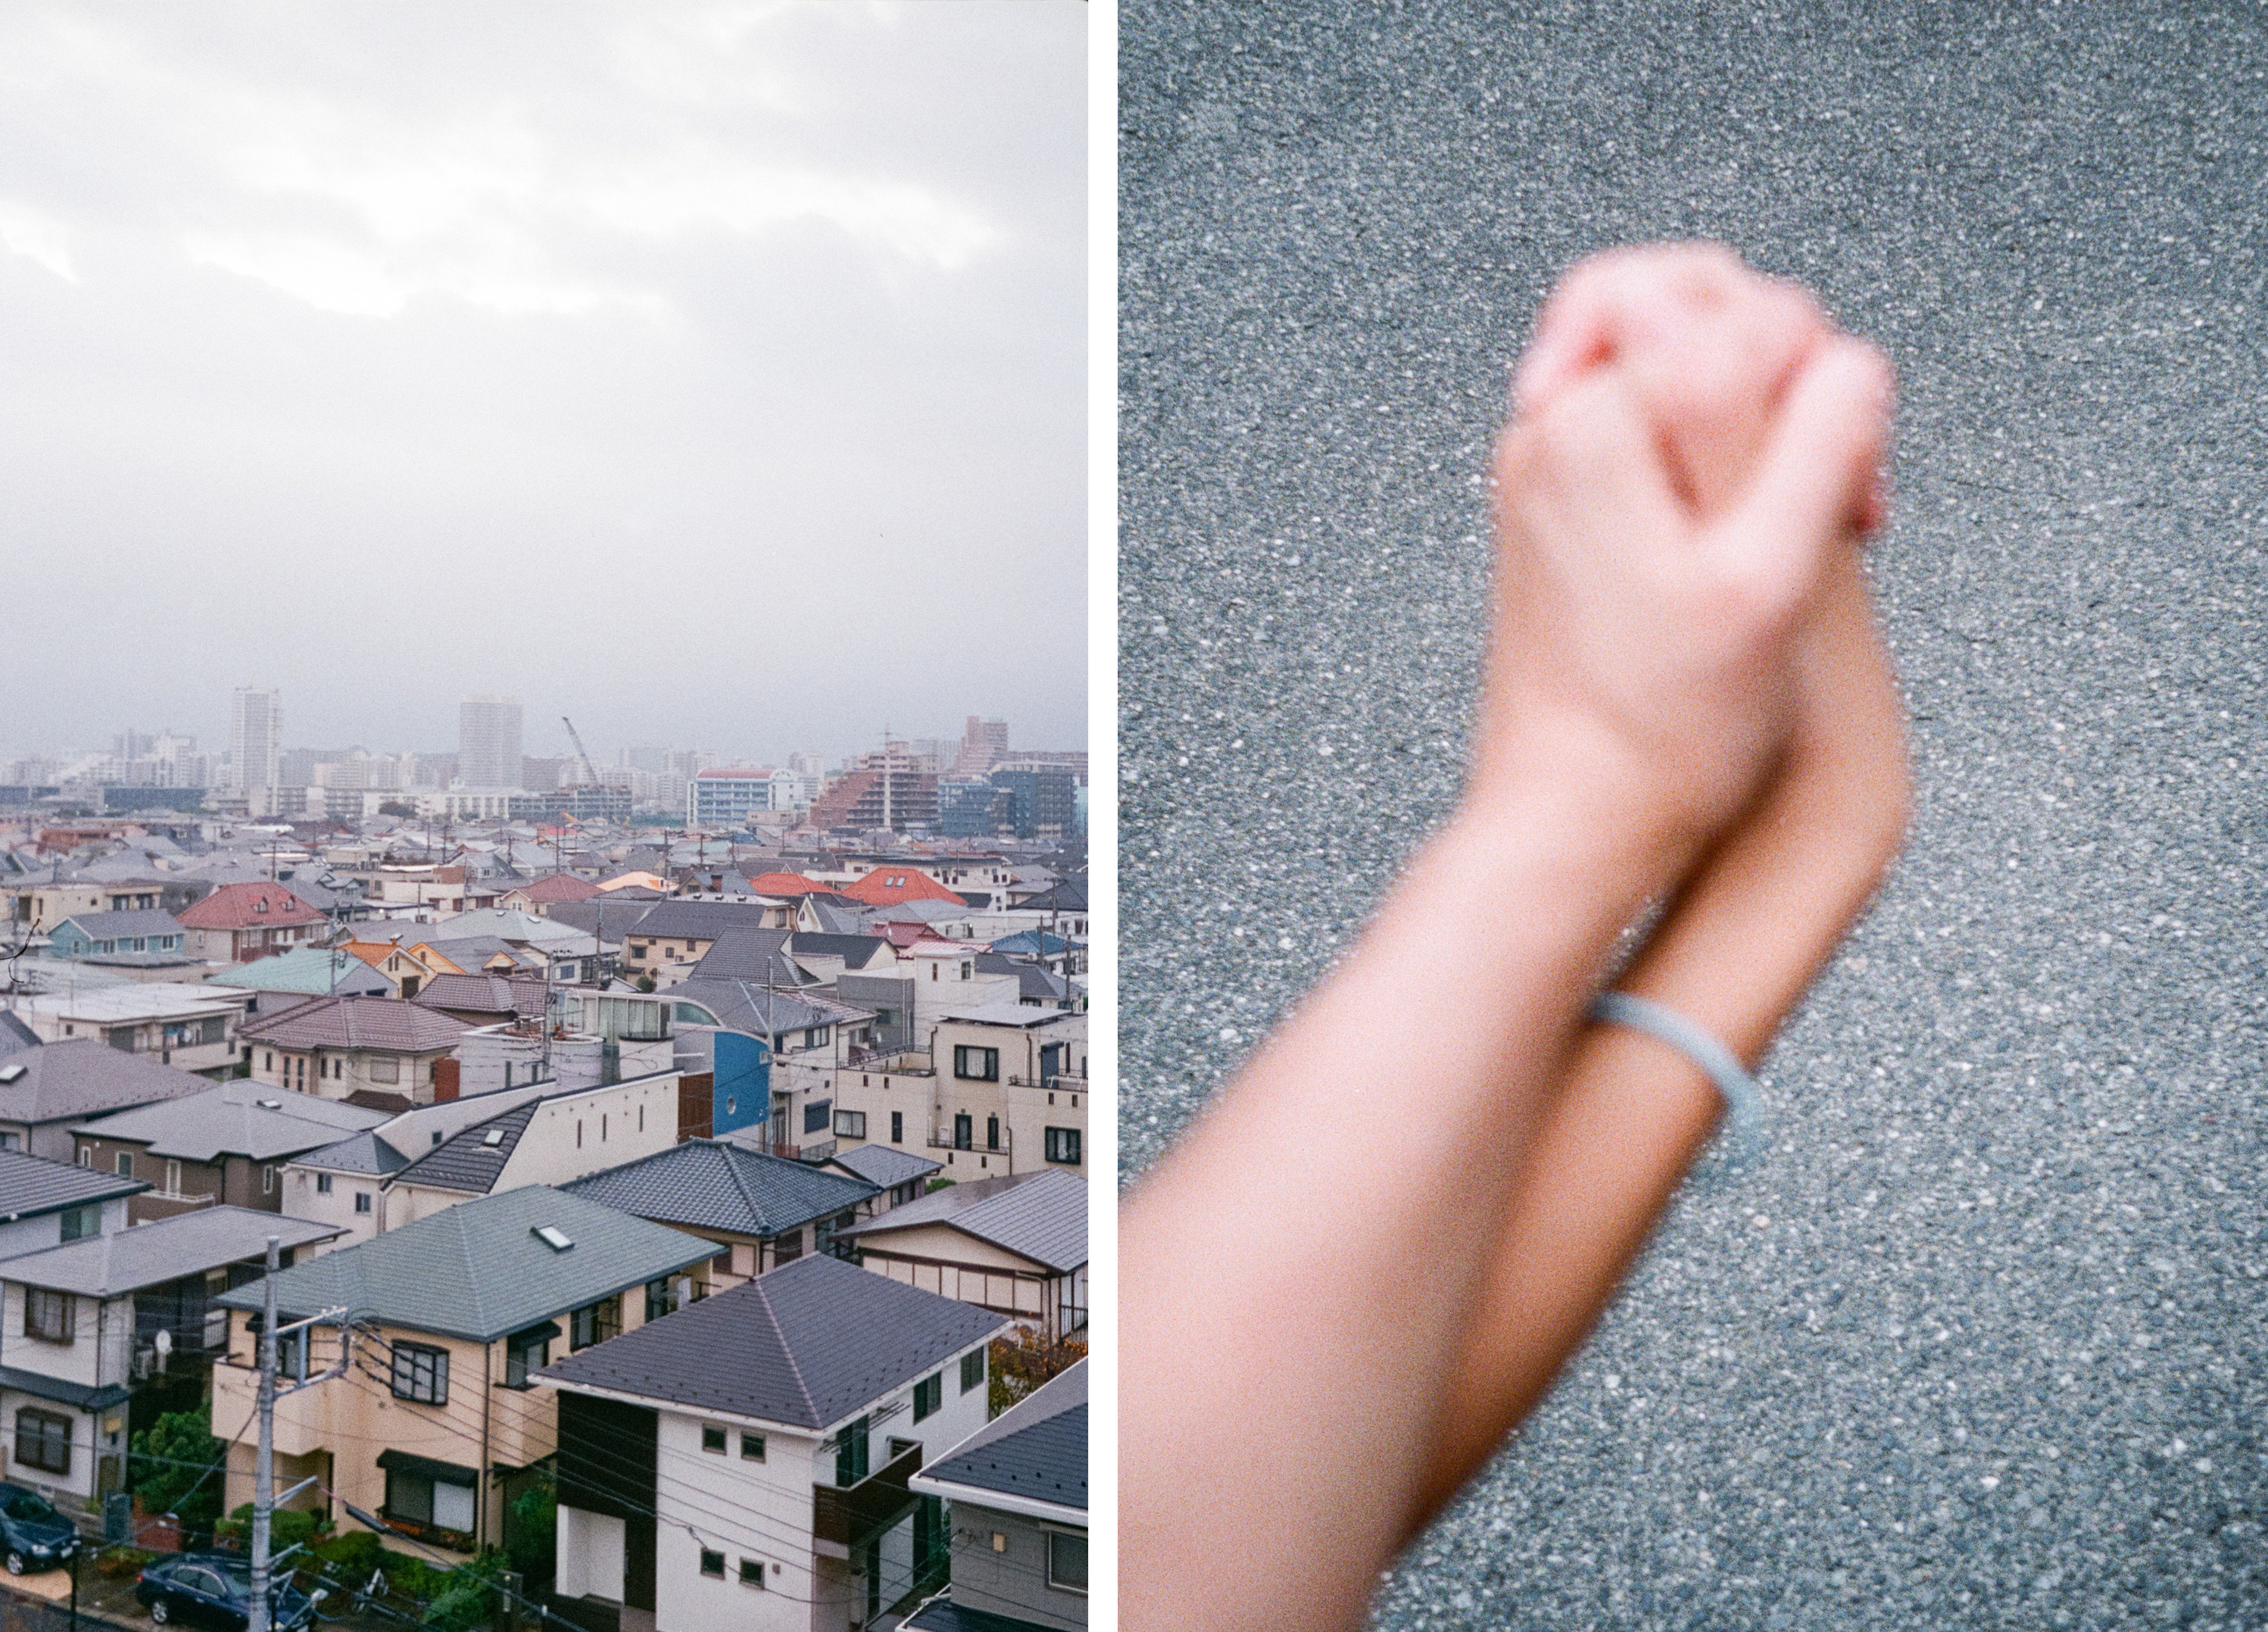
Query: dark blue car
[[215, 1590], [33, 1535]]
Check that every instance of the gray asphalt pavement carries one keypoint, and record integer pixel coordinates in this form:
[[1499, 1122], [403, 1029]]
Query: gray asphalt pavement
[[1983, 1345]]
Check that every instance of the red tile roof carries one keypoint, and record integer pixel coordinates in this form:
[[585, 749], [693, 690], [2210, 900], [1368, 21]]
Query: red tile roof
[[787, 884], [248, 907], [559, 886], [886, 887]]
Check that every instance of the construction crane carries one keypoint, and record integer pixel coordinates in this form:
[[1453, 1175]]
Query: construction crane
[[590, 771]]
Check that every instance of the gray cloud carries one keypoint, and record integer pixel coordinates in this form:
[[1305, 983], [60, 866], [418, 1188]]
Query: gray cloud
[[713, 374]]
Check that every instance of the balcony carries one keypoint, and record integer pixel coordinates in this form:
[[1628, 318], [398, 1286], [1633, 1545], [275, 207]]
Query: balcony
[[844, 1521], [815, 1151]]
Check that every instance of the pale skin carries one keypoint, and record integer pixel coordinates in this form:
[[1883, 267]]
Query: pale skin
[[1370, 1258]]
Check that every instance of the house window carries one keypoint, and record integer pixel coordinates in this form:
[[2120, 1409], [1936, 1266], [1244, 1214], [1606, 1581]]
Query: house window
[[594, 1323], [47, 1315], [752, 1572], [1067, 1561], [81, 1222], [423, 1500], [850, 1124], [976, 1065], [787, 1247], [897, 1128], [1062, 1144], [972, 1369], [660, 1299], [816, 1037], [267, 1179], [851, 1454], [526, 1352], [385, 1070], [362, 1200], [929, 1393], [86, 1156], [43, 1440], [816, 1114], [992, 1133], [322, 1184], [712, 1563], [126, 1164], [752, 1447], [713, 1440], [421, 1376]]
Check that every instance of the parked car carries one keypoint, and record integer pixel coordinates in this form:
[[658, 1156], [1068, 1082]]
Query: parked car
[[215, 1590], [33, 1535]]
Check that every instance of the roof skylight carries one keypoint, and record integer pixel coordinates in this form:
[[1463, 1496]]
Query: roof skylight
[[552, 1237]]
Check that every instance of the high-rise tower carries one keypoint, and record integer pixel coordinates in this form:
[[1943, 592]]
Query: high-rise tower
[[488, 742], [255, 736]]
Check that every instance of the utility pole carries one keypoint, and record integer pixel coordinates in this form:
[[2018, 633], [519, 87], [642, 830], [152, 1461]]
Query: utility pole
[[264, 1498]]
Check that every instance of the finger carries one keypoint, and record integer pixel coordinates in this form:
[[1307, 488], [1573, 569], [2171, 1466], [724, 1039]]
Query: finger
[[1829, 439], [1597, 462], [1586, 315]]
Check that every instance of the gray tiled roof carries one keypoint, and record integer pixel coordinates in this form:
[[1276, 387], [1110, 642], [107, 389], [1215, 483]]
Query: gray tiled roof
[[751, 955], [84, 1076], [807, 1345], [467, 1160], [1041, 1216], [15, 1034], [882, 1166], [240, 1118], [477, 1270], [165, 1249], [33, 1184], [1036, 1449], [701, 921], [743, 1007], [484, 993], [708, 1184], [390, 1023], [856, 951], [357, 1153]]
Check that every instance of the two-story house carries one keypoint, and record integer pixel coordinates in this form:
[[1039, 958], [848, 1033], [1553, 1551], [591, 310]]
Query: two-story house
[[343, 1183], [1011, 1090], [238, 923], [336, 1046], [225, 1146], [150, 936], [1016, 1244], [1017, 1490], [47, 1089], [744, 1463], [100, 1334], [174, 1022], [760, 1210], [441, 1420]]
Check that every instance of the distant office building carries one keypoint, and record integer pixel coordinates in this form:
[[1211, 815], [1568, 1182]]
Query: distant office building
[[1041, 800], [726, 795], [970, 808], [983, 744], [488, 742], [255, 736], [893, 788]]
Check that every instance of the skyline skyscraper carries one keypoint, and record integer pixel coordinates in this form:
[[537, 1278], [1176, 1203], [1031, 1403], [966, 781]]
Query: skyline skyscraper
[[488, 742], [255, 736]]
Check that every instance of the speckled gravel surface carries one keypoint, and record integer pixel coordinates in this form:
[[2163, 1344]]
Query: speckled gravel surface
[[1983, 1345]]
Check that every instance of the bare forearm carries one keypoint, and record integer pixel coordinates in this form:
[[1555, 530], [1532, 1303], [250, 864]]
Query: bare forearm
[[1290, 1270], [1735, 954]]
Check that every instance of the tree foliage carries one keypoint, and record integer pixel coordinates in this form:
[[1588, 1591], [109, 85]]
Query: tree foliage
[[177, 1466], [1024, 1359]]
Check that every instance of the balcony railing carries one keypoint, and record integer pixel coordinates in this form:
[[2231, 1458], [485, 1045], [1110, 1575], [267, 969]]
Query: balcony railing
[[843, 1520]]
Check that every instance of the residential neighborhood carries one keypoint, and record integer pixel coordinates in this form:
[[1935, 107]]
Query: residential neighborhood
[[681, 1195]]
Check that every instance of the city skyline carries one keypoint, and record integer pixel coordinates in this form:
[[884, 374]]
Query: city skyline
[[653, 364]]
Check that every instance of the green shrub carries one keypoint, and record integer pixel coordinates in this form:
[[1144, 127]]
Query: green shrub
[[121, 1563], [176, 1469], [289, 1528]]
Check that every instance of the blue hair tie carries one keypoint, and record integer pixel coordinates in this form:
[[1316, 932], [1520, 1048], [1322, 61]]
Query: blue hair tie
[[1744, 1106]]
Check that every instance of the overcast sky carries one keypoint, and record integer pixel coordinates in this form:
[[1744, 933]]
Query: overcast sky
[[713, 374]]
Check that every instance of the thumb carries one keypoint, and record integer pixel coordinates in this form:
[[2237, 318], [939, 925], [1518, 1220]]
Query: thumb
[[1820, 456]]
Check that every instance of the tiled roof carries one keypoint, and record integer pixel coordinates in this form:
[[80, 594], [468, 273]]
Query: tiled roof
[[478, 1270], [889, 886], [754, 955], [31, 1185], [311, 970], [807, 1345], [248, 906], [391, 1023], [85, 1076], [784, 884], [1036, 1449], [239, 1118], [883, 1166], [1041, 1216], [856, 951], [559, 886], [744, 1007], [356, 1153], [700, 921], [104, 926], [710, 1184], [165, 1249], [467, 1160], [484, 993]]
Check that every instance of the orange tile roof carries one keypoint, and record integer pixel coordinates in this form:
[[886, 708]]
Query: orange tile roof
[[886, 887]]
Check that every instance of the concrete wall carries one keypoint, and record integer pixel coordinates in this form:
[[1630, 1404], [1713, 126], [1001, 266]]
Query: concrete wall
[[1000, 1565]]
